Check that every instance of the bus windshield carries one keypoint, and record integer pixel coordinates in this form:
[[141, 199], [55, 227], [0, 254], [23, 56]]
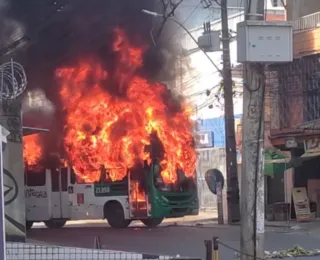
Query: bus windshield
[[183, 183]]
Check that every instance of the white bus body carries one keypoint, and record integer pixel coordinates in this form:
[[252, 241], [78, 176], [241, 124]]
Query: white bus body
[[54, 197], [59, 200]]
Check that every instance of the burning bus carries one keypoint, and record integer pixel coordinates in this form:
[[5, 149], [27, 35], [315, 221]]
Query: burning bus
[[128, 149], [65, 197]]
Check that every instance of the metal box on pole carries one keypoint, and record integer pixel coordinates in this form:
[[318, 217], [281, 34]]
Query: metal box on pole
[[210, 41], [263, 41]]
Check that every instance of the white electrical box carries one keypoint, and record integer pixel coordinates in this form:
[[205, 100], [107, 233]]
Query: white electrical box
[[263, 41], [210, 41]]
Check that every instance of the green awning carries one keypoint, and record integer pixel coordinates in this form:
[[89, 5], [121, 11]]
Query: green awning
[[275, 162], [310, 155]]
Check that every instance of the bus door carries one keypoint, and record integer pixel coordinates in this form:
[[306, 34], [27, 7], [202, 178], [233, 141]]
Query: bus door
[[60, 198], [138, 198]]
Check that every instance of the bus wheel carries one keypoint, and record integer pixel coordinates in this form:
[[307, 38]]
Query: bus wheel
[[55, 223], [29, 224], [115, 215], [152, 222]]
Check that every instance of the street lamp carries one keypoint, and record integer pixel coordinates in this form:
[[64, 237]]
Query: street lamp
[[154, 14]]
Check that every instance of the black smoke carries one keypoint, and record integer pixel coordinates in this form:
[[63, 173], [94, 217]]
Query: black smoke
[[44, 35], [58, 32]]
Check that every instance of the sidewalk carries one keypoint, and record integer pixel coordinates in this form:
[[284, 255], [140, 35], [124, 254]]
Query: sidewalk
[[280, 235], [210, 219]]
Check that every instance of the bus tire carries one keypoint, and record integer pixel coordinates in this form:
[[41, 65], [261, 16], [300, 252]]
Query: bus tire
[[152, 222], [114, 213], [29, 225], [55, 223]]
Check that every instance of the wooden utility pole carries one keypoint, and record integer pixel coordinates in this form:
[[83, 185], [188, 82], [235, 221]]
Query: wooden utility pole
[[230, 137], [252, 175]]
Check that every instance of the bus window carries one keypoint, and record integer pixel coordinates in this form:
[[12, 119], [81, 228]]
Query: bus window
[[64, 179], [55, 180], [72, 177], [79, 180], [35, 178]]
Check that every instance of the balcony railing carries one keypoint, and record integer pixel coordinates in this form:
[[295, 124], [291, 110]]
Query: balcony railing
[[307, 22]]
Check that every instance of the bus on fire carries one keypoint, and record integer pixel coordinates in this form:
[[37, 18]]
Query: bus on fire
[[54, 196], [110, 112]]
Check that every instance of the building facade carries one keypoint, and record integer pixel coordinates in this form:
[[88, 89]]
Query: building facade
[[299, 8], [294, 96], [200, 82]]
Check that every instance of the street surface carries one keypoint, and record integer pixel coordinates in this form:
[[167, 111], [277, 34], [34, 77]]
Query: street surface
[[185, 240]]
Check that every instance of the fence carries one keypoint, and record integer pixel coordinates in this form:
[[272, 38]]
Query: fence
[[214, 246], [307, 22], [26, 251]]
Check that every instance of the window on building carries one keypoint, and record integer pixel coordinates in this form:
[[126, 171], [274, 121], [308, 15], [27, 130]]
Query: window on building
[[313, 96]]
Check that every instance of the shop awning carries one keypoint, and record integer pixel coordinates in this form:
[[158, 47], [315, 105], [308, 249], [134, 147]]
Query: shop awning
[[26, 130], [313, 124], [284, 160], [275, 162], [310, 154]]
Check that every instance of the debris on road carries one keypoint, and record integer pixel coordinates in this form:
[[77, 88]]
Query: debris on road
[[296, 251]]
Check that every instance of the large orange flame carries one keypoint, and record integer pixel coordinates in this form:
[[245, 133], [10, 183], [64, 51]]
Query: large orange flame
[[112, 131], [32, 150]]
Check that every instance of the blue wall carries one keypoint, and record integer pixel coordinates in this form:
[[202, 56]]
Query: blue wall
[[216, 125]]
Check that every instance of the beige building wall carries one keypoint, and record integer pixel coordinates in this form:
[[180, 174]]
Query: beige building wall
[[299, 8]]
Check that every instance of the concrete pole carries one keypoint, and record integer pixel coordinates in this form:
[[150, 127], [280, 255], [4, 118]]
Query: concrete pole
[[252, 176], [230, 137], [2, 215], [220, 204]]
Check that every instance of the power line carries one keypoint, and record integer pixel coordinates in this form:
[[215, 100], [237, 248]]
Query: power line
[[188, 17], [27, 38]]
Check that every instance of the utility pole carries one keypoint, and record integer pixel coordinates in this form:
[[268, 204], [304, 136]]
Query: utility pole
[[230, 137], [252, 175]]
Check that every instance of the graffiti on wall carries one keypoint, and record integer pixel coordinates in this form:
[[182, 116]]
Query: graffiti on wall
[[12, 113]]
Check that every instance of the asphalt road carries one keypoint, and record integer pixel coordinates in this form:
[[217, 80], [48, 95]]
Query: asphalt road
[[166, 240]]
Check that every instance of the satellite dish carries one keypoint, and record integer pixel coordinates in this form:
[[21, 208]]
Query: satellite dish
[[212, 177]]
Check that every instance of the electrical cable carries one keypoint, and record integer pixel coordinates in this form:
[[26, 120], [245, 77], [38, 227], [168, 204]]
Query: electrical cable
[[261, 83], [216, 1], [257, 170], [167, 16], [248, 6], [27, 38], [187, 18]]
